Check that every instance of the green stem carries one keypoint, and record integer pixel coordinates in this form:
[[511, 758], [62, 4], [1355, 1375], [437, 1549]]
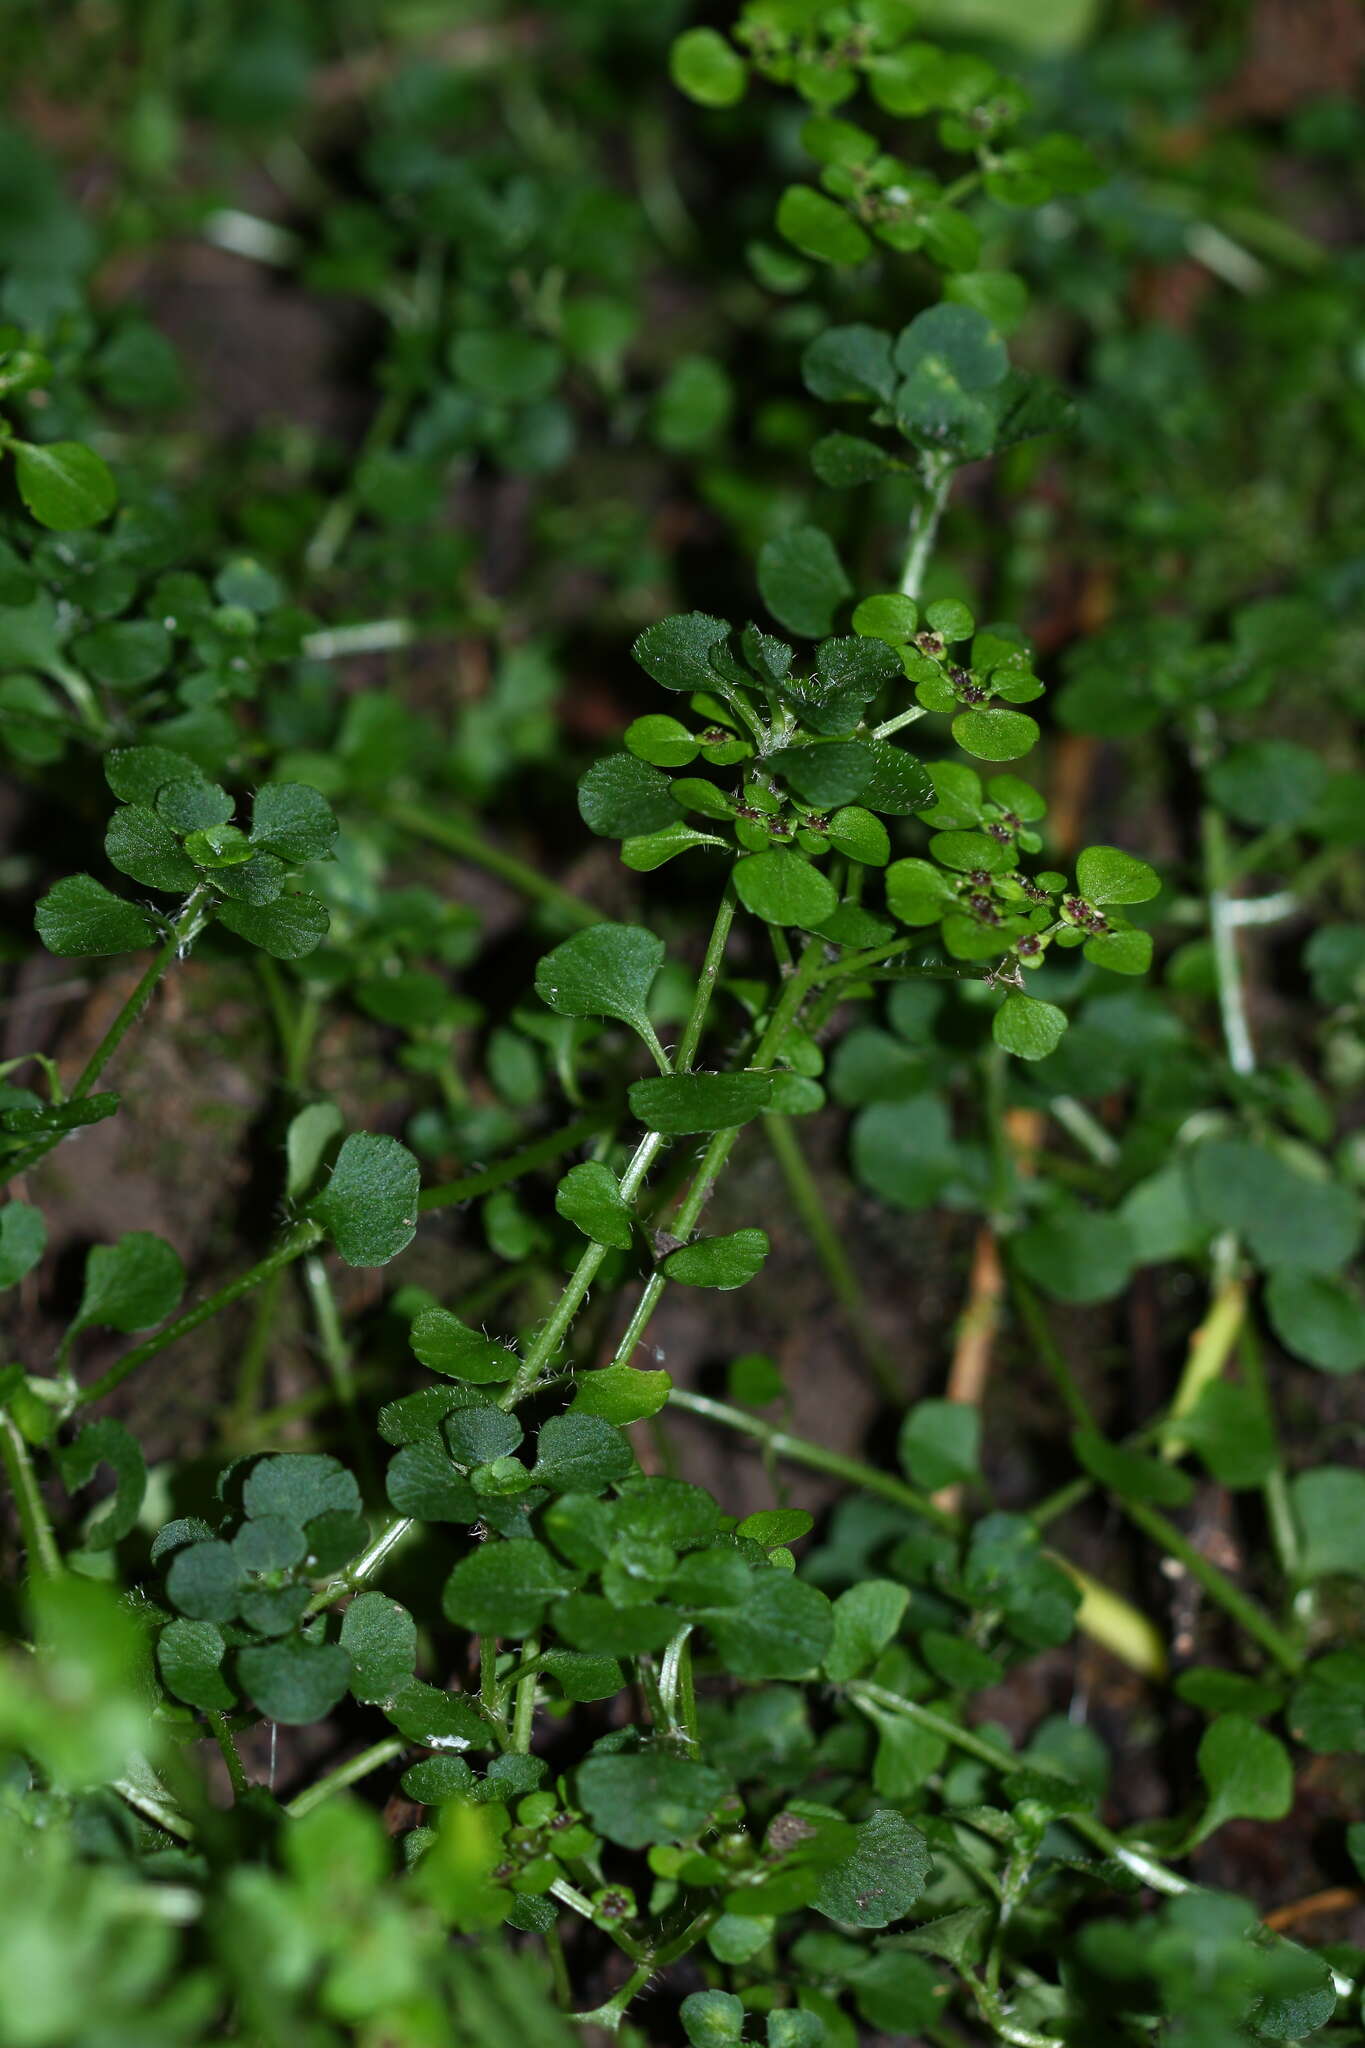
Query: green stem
[[350, 1773], [1227, 963], [706, 980], [292, 1246], [331, 1337], [524, 1703], [222, 1735], [44, 1558], [185, 930], [545, 1150], [1243, 1610], [1152, 1872], [558, 1324], [937, 477], [463, 836], [376, 1551], [800, 1450], [809, 1205], [610, 2015], [1284, 1532]]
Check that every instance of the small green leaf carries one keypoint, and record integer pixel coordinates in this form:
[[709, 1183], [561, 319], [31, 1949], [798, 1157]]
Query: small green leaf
[[438, 1778], [286, 929], [292, 820], [1327, 1708], [802, 580], [993, 735], [1268, 783], [892, 618], [1247, 1772], [1076, 1254], [581, 1453], [621, 797], [1128, 952], [1028, 1028], [882, 1878], [950, 620], [1288, 1218], [444, 1344], [64, 484], [190, 1657], [866, 1619], [205, 1581], [704, 66], [294, 1681], [1130, 1474], [606, 971], [503, 1588], [647, 851], [781, 1629], [723, 1262], [130, 1285], [649, 1797], [679, 1105], [140, 844], [380, 1638], [621, 1394], [856, 833], [677, 653], [107, 1442], [423, 1481], [80, 919], [23, 1234], [1329, 1506], [124, 654], [1318, 1317], [589, 1197], [845, 460], [830, 773], [940, 1443], [960, 338], [1106, 874], [663, 741], [820, 228], [305, 1143], [505, 364], [298, 1486], [369, 1205], [782, 888], [712, 2019]]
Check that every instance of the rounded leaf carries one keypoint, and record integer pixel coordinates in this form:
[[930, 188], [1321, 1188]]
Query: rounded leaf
[[704, 66], [606, 971], [782, 888], [1028, 1028], [64, 484]]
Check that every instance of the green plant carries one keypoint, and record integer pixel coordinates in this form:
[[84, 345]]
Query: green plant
[[749, 1762]]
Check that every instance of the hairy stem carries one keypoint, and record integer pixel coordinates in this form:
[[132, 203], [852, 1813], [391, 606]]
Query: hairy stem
[[937, 477], [542, 1153], [292, 1246]]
